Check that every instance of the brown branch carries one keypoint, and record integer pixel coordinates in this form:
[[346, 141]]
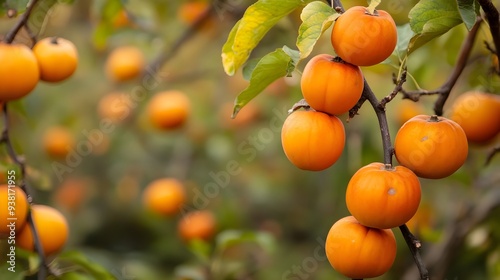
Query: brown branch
[[397, 89], [186, 36], [491, 154], [493, 18], [445, 89], [23, 22], [414, 244], [382, 119]]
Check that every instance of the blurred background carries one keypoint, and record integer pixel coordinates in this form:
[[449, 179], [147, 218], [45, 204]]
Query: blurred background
[[272, 218]]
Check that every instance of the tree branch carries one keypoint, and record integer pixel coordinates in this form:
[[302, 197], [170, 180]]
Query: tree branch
[[493, 18], [382, 119], [491, 154], [414, 244], [445, 89], [23, 21]]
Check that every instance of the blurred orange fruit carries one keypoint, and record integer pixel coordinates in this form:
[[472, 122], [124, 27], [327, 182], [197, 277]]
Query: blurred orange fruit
[[57, 58], [52, 229], [168, 109], [13, 208], [58, 142], [19, 72], [124, 63], [164, 196], [197, 225], [115, 106]]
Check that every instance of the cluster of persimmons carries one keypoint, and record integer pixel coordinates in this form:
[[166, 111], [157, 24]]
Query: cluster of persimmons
[[50, 60], [379, 196]]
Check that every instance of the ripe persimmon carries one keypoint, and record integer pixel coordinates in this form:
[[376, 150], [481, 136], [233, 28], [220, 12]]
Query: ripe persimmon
[[433, 147], [312, 140], [168, 109], [381, 196], [192, 11], [57, 58], [58, 142], [406, 110], [197, 225], [115, 106], [359, 252], [364, 39], [124, 63], [331, 85], [478, 114], [19, 72], [52, 229], [13, 208], [164, 196]]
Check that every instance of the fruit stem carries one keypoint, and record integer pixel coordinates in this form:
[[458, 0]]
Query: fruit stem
[[53, 40], [434, 118]]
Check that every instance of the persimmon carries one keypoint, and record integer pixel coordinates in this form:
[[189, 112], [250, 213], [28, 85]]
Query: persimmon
[[312, 140], [164, 196], [408, 109], [19, 72], [364, 39], [58, 142], [433, 147], [115, 106], [382, 196], [197, 225], [57, 58], [124, 63], [72, 193], [168, 109], [52, 228], [359, 252], [192, 11], [331, 85], [478, 113], [13, 209]]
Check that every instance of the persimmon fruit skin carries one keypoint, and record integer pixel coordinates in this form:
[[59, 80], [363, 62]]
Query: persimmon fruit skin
[[478, 114], [360, 252], [330, 85], [433, 147], [312, 140], [19, 71], [57, 58], [364, 39], [383, 197]]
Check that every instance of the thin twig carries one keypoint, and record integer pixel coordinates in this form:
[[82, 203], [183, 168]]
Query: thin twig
[[398, 88], [445, 89], [414, 244], [23, 21], [493, 18], [491, 154]]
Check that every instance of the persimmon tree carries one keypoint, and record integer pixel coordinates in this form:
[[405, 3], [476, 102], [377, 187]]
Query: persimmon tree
[[359, 39]]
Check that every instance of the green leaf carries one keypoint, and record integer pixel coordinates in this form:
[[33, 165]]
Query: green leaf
[[94, 269], [257, 20], [73, 275], [230, 238], [404, 36], [18, 5], [316, 17], [430, 19], [101, 34], [272, 66], [467, 9], [5, 273], [201, 249]]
